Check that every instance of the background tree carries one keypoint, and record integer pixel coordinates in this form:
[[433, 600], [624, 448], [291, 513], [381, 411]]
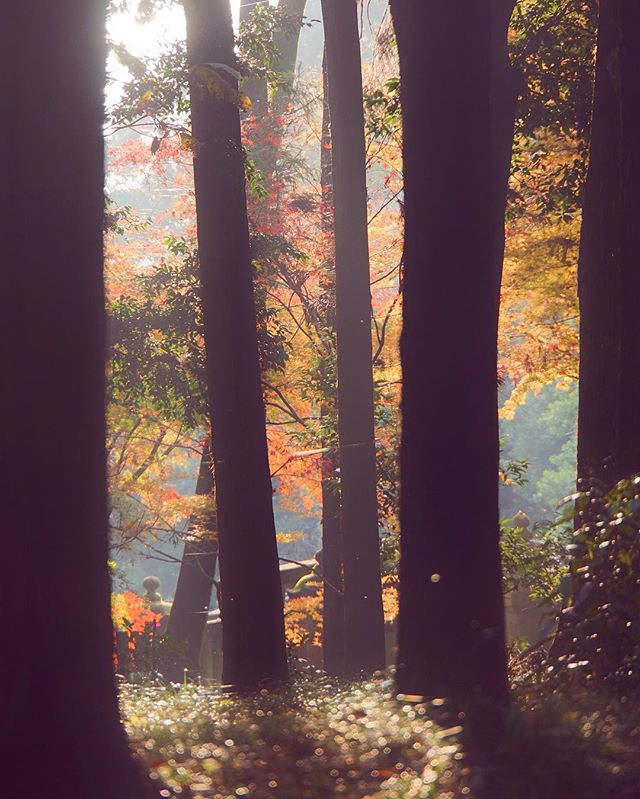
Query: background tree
[[255, 87], [158, 362], [294, 267], [271, 35], [196, 579], [538, 343], [57, 665], [608, 279], [457, 139], [364, 622], [251, 594], [333, 618], [608, 274]]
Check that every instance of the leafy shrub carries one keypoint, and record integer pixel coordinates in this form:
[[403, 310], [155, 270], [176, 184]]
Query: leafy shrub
[[303, 620], [600, 630], [136, 627], [537, 563]]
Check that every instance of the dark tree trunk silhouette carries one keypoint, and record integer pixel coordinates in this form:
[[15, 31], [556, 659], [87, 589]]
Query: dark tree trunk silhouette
[[251, 598], [57, 672], [333, 618], [608, 273], [458, 99], [192, 598], [333, 634], [364, 621]]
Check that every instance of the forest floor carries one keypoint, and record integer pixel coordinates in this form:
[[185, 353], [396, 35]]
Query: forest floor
[[316, 739]]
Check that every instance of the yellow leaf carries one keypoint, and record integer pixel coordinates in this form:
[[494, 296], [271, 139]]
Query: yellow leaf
[[212, 82], [287, 538], [187, 142], [146, 98], [210, 78]]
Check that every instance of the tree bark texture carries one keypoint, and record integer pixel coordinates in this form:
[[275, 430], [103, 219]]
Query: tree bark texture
[[458, 98], [333, 619], [608, 272], [192, 599], [251, 598], [56, 669], [333, 634], [364, 621]]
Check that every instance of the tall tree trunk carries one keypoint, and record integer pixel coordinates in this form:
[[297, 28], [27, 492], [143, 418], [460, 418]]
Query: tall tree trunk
[[256, 88], [364, 621], [458, 98], [266, 154], [608, 274], [288, 45], [192, 598], [333, 618], [251, 601], [333, 633], [56, 672]]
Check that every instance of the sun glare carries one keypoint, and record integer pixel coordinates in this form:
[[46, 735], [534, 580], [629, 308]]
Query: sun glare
[[166, 26], [146, 39]]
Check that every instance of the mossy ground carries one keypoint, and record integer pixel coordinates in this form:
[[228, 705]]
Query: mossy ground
[[317, 738], [313, 739]]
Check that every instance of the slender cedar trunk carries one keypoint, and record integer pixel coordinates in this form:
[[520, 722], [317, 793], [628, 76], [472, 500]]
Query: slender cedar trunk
[[609, 280], [56, 670], [364, 621], [458, 98], [608, 274], [251, 600], [188, 616], [333, 638], [333, 618]]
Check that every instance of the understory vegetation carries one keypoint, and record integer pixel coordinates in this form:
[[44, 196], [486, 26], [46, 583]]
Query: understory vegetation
[[573, 728], [318, 738]]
